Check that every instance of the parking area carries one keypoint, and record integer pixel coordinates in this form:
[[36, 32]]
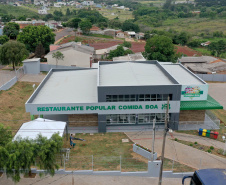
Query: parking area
[[217, 91]]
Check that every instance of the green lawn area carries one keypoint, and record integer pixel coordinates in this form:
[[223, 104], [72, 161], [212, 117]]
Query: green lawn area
[[194, 25], [105, 151], [203, 50], [17, 11], [12, 105]]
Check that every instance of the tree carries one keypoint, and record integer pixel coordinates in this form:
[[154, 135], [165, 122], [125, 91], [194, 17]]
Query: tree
[[6, 135], [39, 51], [119, 51], [11, 30], [217, 48], [160, 48], [32, 36], [85, 26], [73, 23], [13, 52], [68, 12], [127, 44], [128, 25], [182, 38], [3, 39], [58, 56], [147, 35], [19, 155]]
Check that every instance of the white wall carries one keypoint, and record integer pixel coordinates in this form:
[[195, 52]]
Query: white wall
[[71, 57]]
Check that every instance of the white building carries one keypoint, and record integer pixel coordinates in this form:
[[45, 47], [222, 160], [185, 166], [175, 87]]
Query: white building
[[88, 3]]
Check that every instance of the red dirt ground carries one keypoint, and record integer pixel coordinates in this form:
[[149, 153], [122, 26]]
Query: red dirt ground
[[187, 51], [101, 44], [136, 46]]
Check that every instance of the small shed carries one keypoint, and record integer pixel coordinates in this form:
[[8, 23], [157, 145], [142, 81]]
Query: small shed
[[45, 127], [31, 66]]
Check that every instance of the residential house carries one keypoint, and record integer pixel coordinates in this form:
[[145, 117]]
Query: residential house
[[98, 6], [120, 34], [26, 23], [204, 64], [43, 11], [74, 53], [139, 35], [104, 53], [130, 57], [130, 34], [205, 43], [88, 3], [110, 32]]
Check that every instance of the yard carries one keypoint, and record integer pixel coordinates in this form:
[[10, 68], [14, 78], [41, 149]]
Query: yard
[[108, 152], [12, 105]]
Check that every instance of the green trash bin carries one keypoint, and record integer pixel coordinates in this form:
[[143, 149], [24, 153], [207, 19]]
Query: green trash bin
[[208, 133]]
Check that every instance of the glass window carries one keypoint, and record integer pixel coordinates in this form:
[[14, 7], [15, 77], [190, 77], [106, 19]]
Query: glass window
[[133, 97], [147, 97], [153, 97], [114, 98], [120, 98], [127, 98], [159, 97], [141, 97], [108, 98], [164, 97]]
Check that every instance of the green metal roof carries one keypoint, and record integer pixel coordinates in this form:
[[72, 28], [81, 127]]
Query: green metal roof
[[210, 103]]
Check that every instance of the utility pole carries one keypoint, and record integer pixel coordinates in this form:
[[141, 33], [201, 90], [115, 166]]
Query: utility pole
[[164, 141], [153, 141]]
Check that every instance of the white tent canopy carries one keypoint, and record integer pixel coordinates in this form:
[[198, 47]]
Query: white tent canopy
[[45, 127]]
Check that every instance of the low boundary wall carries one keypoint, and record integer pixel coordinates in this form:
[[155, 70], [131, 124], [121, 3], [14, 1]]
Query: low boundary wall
[[153, 171], [9, 84], [47, 67], [213, 77]]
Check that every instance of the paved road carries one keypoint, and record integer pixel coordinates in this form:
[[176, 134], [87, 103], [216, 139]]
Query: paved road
[[64, 32], [181, 153], [217, 91], [92, 180], [5, 76]]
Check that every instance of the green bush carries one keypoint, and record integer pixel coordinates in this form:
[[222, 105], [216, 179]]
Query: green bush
[[191, 144], [211, 148], [175, 139], [209, 151], [196, 143]]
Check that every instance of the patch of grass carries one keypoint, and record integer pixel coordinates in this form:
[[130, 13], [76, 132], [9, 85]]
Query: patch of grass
[[101, 36], [194, 25], [106, 150], [177, 167], [12, 105], [203, 50], [17, 11], [208, 149]]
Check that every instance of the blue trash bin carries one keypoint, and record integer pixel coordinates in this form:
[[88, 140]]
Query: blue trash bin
[[200, 131]]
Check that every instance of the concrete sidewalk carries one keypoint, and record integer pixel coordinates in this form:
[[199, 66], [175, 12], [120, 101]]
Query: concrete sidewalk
[[90, 179], [182, 153]]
